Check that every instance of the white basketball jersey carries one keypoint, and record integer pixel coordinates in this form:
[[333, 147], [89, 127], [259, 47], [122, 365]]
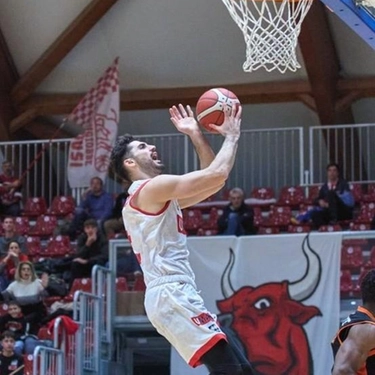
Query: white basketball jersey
[[158, 240]]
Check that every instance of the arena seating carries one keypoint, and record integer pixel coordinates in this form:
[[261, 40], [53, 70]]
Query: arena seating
[[35, 206]]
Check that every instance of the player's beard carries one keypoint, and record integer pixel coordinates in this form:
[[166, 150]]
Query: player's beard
[[152, 169]]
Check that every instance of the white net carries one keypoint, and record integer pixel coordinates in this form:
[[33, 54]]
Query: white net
[[271, 29]]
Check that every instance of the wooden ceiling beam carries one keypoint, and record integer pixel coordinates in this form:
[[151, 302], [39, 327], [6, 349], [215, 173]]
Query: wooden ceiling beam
[[60, 48], [267, 92], [8, 77], [42, 128]]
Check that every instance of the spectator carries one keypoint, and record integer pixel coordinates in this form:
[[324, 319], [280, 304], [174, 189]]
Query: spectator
[[15, 322], [96, 204], [29, 292], [10, 191], [9, 263], [335, 202], [10, 235], [115, 224], [10, 362], [237, 218], [92, 249], [127, 262]]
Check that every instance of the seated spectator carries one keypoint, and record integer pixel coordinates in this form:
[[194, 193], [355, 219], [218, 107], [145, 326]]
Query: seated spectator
[[96, 204], [9, 263], [92, 249], [10, 191], [29, 292], [10, 235], [335, 201], [237, 218], [115, 224], [15, 322], [10, 362], [127, 263]]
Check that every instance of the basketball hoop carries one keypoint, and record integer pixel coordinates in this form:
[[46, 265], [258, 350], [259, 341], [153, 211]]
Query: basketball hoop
[[271, 29]]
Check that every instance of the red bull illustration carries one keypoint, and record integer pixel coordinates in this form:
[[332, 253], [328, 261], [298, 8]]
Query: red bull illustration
[[269, 319]]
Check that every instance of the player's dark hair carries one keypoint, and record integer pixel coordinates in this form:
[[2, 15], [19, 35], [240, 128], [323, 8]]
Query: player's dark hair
[[333, 165], [7, 335], [368, 287], [119, 153]]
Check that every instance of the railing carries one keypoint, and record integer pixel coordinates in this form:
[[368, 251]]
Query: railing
[[352, 146], [48, 361], [87, 311], [266, 157], [103, 286]]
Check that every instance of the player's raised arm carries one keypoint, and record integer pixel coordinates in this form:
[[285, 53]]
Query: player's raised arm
[[184, 121], [355, 349], [163, 188]]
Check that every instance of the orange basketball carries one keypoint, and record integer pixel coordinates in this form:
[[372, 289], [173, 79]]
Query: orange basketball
[[210, 107]]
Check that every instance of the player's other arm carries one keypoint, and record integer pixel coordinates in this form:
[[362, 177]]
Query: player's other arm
[[355, 349], [202, 183]]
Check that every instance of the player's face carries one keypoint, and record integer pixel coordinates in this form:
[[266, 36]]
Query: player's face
[[146, 157], [14, 311]]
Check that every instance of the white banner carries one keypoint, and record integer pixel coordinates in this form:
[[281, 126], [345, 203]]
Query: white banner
[[98, 114], [286, 285]]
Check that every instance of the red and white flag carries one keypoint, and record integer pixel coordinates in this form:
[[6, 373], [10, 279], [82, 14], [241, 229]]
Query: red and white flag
[[98, 114]]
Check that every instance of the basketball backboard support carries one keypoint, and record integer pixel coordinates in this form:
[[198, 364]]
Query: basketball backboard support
[[359, 15]]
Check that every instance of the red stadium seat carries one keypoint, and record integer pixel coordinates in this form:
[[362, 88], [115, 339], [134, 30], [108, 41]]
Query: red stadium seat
[[268, 230], [359, 226], [33, 246], [58, 246], [35, 206], [44, 227], [45, 334], [330, 228], [84, 284], [357, 192], [28, 361], [258, 217], [206, 232], [351, 257], [211, 222], [291, 196], [346, 282], [370, 196], [313, 193], [62, 206], [357, 285], [22, 225], [139, 284], [192, 219], [278, 216], [262, 193], [3, 309], [299, 228], [121, 284], [371, 261], [366, 213]]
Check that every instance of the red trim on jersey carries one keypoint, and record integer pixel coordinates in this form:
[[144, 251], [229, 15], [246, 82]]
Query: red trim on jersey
[[135, 195], [195, 359]]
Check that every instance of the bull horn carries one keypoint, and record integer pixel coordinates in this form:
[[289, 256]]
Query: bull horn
[[226, 284], [305, 287]]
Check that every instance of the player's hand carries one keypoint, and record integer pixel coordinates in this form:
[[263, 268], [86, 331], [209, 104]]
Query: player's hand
[[183, 119], [232, 121]]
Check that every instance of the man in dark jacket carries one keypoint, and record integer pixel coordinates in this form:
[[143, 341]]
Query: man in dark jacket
[[335, 201], [237, 218], [92, 249]]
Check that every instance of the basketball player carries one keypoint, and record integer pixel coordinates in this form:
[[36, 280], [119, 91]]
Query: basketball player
[[354, 344], [153, 220]]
